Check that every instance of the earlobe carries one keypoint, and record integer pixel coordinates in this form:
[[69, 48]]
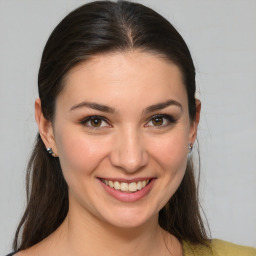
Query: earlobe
[[194, 124], [45, 128]]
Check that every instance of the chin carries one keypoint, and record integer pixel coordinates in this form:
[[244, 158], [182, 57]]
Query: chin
[[130, 218]]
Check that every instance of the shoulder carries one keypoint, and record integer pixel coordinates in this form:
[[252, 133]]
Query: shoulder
[[217, 247], [223, 248]]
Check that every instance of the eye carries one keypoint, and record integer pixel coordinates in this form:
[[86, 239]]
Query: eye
[[161, 120], [95, 122]]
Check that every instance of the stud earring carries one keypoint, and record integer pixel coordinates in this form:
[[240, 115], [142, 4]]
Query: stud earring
[[50, 152], [190, 148]]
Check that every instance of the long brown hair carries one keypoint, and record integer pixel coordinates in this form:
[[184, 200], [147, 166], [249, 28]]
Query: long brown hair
[[95, 28]]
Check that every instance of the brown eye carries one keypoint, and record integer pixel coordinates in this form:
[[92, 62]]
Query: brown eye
[[95, 122], [157, 121], [162, 120]]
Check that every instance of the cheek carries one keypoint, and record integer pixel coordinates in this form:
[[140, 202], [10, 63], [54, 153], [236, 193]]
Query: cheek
[[170, 156], [173, 161], [79, 153], [170, 151]]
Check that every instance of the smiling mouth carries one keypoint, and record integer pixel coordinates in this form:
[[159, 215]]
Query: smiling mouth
[[126, 187]]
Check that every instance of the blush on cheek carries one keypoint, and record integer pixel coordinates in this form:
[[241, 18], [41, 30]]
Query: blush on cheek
[[80, 154], [172, 156], [170, 149]]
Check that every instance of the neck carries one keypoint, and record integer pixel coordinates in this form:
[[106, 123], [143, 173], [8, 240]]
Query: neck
[[83, 235]]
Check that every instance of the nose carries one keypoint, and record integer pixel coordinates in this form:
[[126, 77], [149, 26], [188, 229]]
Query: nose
[[128, 152]]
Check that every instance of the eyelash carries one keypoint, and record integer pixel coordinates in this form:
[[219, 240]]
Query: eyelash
[[170, 120], [86, 120]]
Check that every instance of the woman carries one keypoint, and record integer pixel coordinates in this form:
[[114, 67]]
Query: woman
[[111, 174]]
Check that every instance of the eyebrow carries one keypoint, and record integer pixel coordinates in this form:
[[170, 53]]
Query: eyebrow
[[162, 105], [96, 106], [107, 109]]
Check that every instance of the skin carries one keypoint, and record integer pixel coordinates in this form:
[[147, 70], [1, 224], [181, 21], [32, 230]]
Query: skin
[[130, 143]]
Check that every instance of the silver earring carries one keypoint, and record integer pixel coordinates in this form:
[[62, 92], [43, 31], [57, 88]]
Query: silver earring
[[50, 152], [190, 148]]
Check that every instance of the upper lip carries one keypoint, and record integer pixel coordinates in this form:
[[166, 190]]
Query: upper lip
[[128, 180]]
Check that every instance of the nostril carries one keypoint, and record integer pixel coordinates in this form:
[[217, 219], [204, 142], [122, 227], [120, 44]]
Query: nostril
[[129, 161], [128, 151]]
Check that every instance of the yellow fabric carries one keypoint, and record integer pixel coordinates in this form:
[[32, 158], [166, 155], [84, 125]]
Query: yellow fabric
[[217, 248]]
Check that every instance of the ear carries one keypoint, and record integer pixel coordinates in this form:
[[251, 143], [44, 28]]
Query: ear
[[45, 128], [194, 124]]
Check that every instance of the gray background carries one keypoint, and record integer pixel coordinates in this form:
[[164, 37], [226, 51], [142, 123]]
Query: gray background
[[221, 35]]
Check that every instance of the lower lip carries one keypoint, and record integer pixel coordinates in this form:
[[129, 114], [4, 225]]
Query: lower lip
[[128, 197]]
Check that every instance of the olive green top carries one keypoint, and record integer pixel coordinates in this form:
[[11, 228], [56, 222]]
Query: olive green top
[[217, 248]]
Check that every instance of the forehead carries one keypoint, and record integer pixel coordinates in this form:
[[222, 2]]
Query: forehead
[[129, 76]]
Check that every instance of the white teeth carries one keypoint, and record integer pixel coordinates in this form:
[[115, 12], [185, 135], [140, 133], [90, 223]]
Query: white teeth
[[133, 187], [125, 187], [117, 185], [111, 183], [139, 185]]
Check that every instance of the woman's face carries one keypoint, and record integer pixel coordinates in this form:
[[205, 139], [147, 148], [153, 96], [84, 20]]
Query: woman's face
[[122, 120]]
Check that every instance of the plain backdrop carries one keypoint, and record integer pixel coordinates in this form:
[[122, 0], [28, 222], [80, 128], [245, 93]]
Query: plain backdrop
[[221, 35]]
